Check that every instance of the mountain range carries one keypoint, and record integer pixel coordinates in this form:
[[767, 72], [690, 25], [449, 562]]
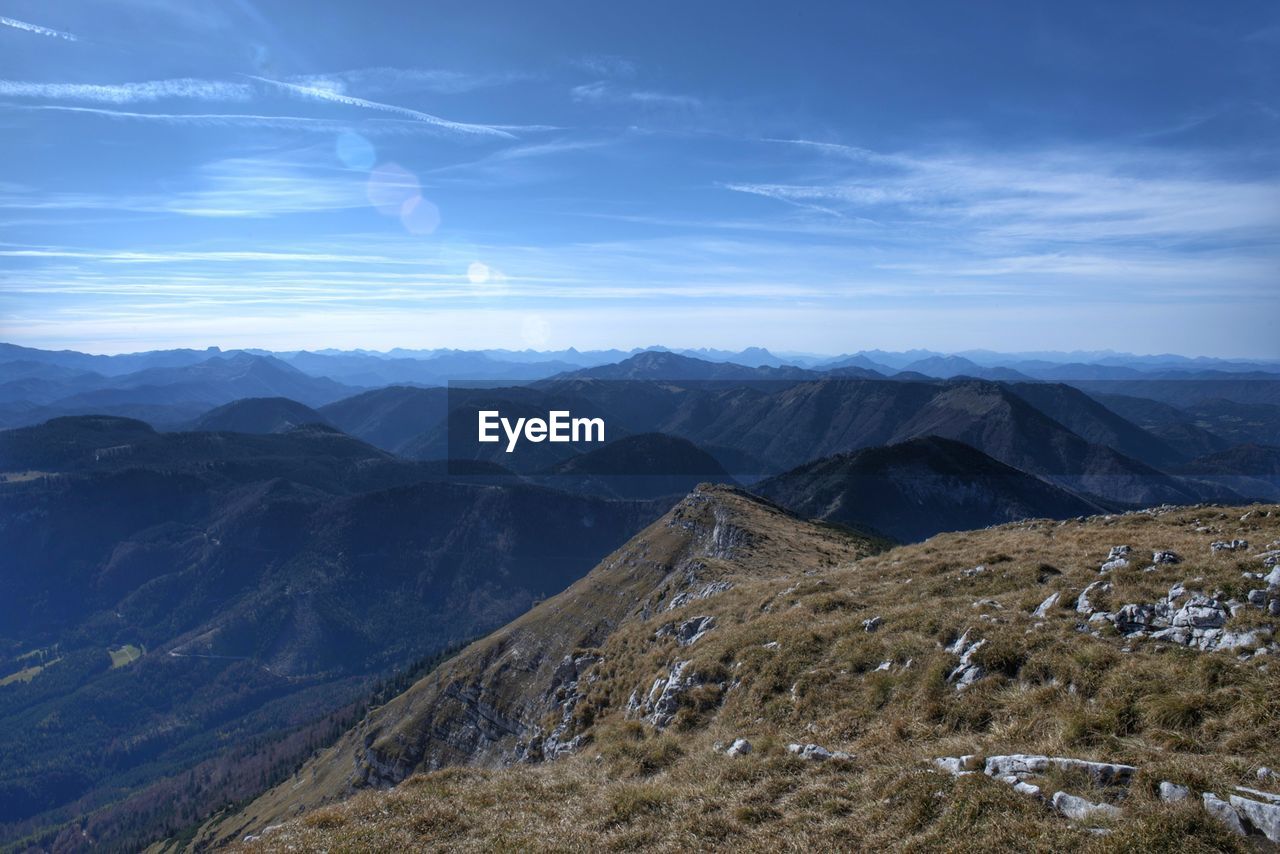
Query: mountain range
[[202, 597]]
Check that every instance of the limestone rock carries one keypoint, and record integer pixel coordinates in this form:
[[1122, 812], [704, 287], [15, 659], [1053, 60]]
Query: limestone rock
[[1200, 612], [1262, 816], [1171, 793], [1043, 608], [687, 632], [1078, 809], [966, 672], [1229, 546], [1021, 764], [681, 599], [958, 765], [740, 747], [1083, 603], [1222, 811]]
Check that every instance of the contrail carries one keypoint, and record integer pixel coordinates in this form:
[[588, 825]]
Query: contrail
[[37, 29], [338, 98]]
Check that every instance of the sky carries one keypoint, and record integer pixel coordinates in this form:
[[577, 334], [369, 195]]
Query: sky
[[817, 177]]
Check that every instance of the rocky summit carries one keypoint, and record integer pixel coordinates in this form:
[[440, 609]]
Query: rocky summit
[[735, 677]]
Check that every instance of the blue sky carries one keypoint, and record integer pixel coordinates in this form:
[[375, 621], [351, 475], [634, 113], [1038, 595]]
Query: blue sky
[[820, 177]]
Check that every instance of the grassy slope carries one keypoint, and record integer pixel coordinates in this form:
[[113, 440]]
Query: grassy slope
[[1207, 720]]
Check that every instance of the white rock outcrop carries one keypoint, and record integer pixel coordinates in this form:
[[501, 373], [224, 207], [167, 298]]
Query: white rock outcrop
[[1079, 809]]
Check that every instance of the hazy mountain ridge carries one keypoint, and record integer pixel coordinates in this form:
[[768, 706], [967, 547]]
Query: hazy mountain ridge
[[36, 384]]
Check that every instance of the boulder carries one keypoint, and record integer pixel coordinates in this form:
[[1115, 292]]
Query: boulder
[[1229, 546], [1016, 764], [740, 747], [660, 704], [1165, 556], [958, 765], [1134, 618], [1222, 811], [966, 672], [1171, 793], [872, 624], [687, 632], [1078, 809], [1200, 612], [1262, 816], [815, 752], [1083, 604], [1021, 764], [1042, 609]]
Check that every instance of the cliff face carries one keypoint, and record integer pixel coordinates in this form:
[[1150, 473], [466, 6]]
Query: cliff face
[[518, 695]]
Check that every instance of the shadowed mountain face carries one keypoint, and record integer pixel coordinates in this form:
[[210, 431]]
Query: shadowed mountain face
[[919, 488], [258, 415], [249, 584], [1095, 423], [1251, 470], [389, 417]]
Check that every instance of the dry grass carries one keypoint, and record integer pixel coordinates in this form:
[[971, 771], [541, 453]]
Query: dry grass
[[1207, 720]]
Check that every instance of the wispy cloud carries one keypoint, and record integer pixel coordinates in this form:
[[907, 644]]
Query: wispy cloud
[[245, 187], [366, 126], [384, 79], [319, 88], [128, 93], [602, 92], [37, 29], [320, 93], [1044, 197]]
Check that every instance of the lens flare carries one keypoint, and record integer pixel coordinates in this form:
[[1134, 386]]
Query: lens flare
[[355, 151], [419, 216], [535, 331], [391, 187]]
